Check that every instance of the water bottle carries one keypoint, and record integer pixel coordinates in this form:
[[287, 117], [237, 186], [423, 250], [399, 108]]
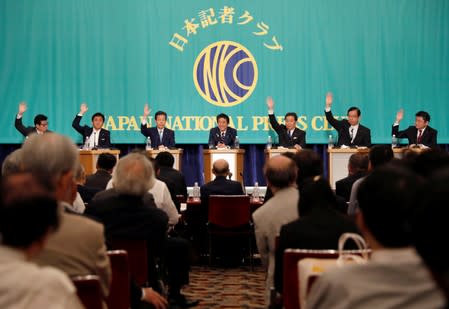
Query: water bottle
[[330, 144], [196, 192], [394, 141], [236, 142], [256, 192], [148, 144], [269, 142], [86, 145]]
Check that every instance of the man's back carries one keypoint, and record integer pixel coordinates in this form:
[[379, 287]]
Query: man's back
[[395, 279], [221, 186], [169, 174], [98, 180], [78, 248]]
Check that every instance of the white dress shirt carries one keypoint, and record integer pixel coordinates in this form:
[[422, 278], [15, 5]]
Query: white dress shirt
[[25, 285], [353, 130]]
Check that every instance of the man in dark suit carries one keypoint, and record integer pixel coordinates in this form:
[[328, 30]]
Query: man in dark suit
[[222, 135], [161, 137], [350, 131], [173, 178], [319, 225], [420, 134], [105, 165], [220, 185], [289, 135], [128, 211], [40, 122], [357, 168], [95, 136]]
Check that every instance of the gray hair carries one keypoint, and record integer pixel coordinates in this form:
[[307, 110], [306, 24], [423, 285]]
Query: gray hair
[[12, 163], [133, 175], [49, 155]]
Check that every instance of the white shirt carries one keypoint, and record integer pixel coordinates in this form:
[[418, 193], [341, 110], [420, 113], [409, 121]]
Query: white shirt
[[93, 138], [25, 285], [78, 204], [162, 199], [354, 130]]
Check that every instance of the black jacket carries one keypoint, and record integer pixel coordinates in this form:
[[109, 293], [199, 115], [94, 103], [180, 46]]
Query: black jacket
[[228, 140], [428, 138], [362, 138], [104, 138], [298, 136], [168, 136]]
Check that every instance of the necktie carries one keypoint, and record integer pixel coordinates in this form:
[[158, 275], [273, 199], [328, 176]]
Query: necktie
[[351, 134], [160, 134], [222, 134], [95, 139], [418, 140], [290, 133]]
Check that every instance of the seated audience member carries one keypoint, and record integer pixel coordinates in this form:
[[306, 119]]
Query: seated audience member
[[169, 175], [86, 193], [105, 166], [357, 168], [419, 134], [319, 226], [40, 122], [78, 246], [430, 161], [161, 136], [126, 214], [11, 164], [161, 195], [430, 228], [96, 136], [222, 135], [280, 173], [395, 276], [378, 156], [80, 177], [28, 215], [289, 135], [128, 211]]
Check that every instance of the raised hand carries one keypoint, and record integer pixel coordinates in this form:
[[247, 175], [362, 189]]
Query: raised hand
[[146, 110], [399, 115], [83, 108], [329, 98], [270, 103], [22, 108]]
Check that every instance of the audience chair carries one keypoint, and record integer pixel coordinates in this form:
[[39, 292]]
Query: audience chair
[[89, 291], [137, 250], [229, 216], [290, 281], [119, 297]]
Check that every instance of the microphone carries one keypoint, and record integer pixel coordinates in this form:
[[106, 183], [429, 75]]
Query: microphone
[[95, 139]]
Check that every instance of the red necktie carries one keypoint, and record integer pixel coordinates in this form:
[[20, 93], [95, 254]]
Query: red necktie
[[418, 140]]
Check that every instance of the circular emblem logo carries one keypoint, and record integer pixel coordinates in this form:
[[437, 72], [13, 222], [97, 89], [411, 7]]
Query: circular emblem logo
[[225, 73]]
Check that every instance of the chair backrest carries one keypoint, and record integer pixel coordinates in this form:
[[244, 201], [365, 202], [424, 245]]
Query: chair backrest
[[181, 198], [137, 250], [119, 297], [89, 291], [229, 211], [290, 282]]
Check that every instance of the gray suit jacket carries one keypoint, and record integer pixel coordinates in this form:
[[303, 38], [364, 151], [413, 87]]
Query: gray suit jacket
[[281, 209], [78, 248], [390, 281]]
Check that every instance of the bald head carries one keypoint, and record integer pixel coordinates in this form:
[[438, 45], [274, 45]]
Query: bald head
[[220, 167], [280, 172]]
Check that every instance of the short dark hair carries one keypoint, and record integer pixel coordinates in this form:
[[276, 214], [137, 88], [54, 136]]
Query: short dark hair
[[359, 162], [165, 159], [26, 218], [430, 161], [309, 164], [281, 177], [39, 118], [224, 116], [294, 115], [106, 161], [424, 115], [387, 198], [380, 154], [353, 108], [98, 115], [316, 192], [429, 224], [158, 113]]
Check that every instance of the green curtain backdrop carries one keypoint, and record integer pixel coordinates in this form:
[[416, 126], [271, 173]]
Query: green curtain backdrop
[[116, 55]]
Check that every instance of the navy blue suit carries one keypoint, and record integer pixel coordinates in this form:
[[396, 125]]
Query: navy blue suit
[[25, 130], [285, 140], [168, 136], [104, 138], [428, 138], [228, 140]]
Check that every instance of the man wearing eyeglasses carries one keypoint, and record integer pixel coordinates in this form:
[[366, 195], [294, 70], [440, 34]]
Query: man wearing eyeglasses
[[40, 122]]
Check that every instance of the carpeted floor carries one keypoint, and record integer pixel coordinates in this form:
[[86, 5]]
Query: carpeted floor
[[227, 287]]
